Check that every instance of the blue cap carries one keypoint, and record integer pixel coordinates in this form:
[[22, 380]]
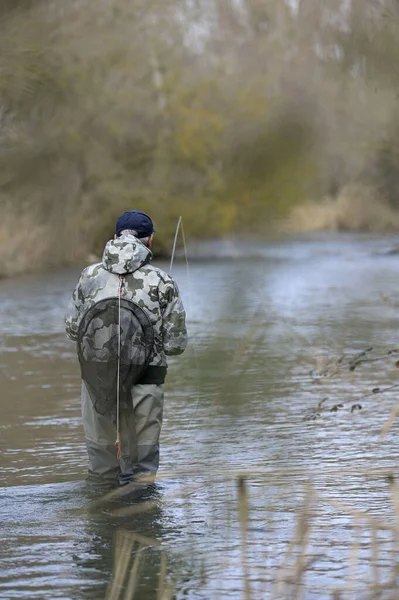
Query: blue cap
[[136, 220]]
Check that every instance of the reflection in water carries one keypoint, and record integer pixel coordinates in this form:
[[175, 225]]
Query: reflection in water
[[118, 537], [263, 327], [66, 536]]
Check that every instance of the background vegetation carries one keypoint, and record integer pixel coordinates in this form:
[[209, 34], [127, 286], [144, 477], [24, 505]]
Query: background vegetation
[[231, 113]]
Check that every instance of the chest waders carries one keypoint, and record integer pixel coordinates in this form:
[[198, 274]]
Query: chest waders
[[115, 345]]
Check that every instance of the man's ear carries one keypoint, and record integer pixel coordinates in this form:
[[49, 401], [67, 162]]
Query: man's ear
[[115, 236], [150, 241]]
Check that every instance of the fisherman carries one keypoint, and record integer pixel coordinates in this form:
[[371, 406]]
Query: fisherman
[[122, 425]]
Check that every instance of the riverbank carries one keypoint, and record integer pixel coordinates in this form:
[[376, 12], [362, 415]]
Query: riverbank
[[34, 247], [357, 208]]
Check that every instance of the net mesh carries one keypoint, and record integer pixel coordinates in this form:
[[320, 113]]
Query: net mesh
[[98, 350]]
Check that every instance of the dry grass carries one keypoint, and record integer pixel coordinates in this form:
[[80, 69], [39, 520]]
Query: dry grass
[[357, 208], [21, 232], [129, 557], [29, 244], [288, 578]]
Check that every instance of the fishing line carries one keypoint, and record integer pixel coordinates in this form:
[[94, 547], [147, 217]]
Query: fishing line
[[174, 244], [178, 228], [118, 436], [186, 256]]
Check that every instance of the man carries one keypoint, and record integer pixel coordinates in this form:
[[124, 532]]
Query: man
[[123, 442]]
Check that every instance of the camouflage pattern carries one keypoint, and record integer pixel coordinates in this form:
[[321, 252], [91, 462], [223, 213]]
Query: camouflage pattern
[[149, 287]]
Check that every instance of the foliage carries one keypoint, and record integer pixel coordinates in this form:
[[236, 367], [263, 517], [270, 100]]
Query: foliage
[[229, 114]]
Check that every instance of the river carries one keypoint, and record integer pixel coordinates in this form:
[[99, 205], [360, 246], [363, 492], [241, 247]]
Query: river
[[268, 323]]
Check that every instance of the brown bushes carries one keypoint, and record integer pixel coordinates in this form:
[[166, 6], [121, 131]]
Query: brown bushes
[[356, 208], [228, 116]]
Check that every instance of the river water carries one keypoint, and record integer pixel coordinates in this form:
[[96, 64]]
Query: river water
[[268, 324]]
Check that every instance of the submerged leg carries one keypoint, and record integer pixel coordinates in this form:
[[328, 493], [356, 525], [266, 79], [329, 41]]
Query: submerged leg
[[148, 411], [128, 443], [100, 433]]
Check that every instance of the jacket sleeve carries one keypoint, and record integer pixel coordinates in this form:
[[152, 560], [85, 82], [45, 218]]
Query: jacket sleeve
[[73, 313], [174, 331]]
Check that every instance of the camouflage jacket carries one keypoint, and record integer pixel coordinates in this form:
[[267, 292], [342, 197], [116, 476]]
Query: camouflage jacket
[[149, 287]]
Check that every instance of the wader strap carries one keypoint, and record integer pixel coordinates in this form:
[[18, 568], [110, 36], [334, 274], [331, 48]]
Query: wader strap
[[153, 375]]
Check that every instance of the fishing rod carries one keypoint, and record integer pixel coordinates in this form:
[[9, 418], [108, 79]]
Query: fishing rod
[[179, 227], [174, 244]]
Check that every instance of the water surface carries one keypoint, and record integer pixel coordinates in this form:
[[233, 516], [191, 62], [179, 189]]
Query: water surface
[[266, 321]]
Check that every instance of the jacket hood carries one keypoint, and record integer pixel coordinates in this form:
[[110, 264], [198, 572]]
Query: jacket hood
[[126, 254]]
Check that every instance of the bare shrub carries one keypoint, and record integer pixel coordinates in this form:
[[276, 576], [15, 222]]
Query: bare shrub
[[230, 114]]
